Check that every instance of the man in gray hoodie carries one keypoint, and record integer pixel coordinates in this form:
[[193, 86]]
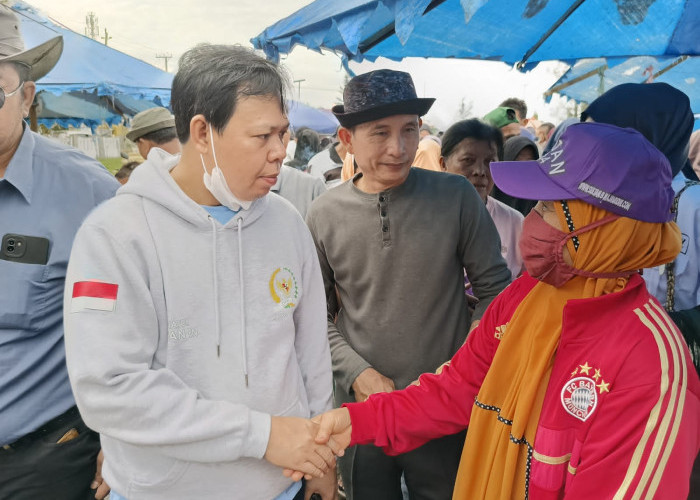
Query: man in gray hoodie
[[194, 310]]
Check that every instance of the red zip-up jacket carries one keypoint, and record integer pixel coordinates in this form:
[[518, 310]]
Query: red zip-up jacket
[[621, 416]]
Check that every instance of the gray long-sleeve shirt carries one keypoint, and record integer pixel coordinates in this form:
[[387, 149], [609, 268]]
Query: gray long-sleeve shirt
[[397, 261]]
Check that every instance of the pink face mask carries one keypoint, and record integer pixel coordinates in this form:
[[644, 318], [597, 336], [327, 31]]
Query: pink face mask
[[542, 248]]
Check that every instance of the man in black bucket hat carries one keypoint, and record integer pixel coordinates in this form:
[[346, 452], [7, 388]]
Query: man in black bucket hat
[[393, 243], [46, 189]]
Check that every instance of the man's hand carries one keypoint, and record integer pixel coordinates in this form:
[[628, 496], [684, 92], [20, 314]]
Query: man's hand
[[292, 445], [98, 483], [326, 486], [334, 430], [369, 382]]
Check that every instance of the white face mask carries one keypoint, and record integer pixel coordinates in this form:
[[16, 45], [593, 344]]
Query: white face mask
[[217, 186]]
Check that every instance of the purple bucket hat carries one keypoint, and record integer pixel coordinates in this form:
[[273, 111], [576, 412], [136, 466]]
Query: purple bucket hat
[[378, 94], [613, 168]]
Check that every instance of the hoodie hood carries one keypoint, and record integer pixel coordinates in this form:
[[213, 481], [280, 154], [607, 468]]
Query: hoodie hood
[[152, 181]]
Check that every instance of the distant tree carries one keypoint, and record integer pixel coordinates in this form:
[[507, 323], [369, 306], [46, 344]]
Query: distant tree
[[465, 110], [339, 97]]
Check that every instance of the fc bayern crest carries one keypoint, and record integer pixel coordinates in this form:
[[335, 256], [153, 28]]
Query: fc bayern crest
[[579, 397]]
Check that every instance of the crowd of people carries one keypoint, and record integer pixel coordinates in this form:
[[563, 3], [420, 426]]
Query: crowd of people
[[506, 309]]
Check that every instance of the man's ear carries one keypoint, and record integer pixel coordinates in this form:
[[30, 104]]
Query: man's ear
[[28, 93], [345, 136], [442, 164], [199, 133], [420, 122]]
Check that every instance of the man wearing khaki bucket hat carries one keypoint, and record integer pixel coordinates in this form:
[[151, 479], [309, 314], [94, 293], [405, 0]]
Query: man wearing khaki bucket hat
[[46, 190], [154, 128]]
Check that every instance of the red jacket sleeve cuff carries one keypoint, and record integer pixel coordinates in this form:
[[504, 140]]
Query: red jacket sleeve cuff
[[363, 418]]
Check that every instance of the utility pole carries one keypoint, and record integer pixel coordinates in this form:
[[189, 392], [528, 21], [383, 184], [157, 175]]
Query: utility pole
[[106, 37], [299, 87], [92, 29], [166, 57]]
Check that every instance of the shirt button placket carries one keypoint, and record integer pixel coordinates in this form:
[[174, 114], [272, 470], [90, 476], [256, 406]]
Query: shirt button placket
[[384, 219]]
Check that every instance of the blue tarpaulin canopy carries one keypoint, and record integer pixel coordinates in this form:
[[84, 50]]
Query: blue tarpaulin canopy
[[589, 78], [73, 109], [128, 105], [506, 30], [301, 115], [87, 64]]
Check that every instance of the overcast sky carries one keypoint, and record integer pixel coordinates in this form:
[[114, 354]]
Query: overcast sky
[[146, 28]]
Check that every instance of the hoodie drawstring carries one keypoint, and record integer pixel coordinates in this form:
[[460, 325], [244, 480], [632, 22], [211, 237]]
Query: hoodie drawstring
[[216, 287], [244, 339]]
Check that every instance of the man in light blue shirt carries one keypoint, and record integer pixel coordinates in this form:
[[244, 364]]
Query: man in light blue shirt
[[46, 190]]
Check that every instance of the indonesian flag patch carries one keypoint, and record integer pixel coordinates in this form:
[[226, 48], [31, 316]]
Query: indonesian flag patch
[[94, 295]]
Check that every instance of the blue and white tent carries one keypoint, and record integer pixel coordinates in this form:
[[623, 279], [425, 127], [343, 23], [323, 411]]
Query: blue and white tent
[[88, 65], [512, 31], [589, 78], [301, 115], [73, 109]]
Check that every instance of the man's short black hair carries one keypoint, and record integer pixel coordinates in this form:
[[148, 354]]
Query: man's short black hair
[[127, 168], [211, 78], [161, 136]]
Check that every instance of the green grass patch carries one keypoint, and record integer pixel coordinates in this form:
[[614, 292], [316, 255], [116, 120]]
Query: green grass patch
[[111, 164]]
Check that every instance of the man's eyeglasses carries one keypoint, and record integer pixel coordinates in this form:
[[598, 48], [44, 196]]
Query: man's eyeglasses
[[4, 95]]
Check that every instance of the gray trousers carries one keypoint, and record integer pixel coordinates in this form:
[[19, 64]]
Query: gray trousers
[[430, 471]]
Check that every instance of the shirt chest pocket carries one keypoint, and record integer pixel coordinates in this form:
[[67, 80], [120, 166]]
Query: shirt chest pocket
[[26, 292]]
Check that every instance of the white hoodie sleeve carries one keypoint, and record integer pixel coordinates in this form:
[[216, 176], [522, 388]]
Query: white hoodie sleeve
[[111, 354], [311, 342]]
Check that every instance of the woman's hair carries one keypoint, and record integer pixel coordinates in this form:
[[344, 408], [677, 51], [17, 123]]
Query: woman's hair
[[471, 129]]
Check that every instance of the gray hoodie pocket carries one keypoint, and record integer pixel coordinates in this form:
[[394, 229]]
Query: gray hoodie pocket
[[163, 472], [296, 409]]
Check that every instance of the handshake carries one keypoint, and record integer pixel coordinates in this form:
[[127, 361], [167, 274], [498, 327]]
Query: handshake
[[307, 448]]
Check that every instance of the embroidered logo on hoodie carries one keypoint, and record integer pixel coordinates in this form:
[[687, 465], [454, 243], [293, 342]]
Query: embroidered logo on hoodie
[[283, 287], [180, 329]]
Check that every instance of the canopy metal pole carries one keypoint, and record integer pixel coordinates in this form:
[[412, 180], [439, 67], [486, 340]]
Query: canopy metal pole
[[670, 66], [562, 86], [33, 120], [389, 30], [549, 32]]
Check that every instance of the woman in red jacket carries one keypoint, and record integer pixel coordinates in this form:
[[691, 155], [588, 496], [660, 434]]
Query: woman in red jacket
[[576, 384]]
